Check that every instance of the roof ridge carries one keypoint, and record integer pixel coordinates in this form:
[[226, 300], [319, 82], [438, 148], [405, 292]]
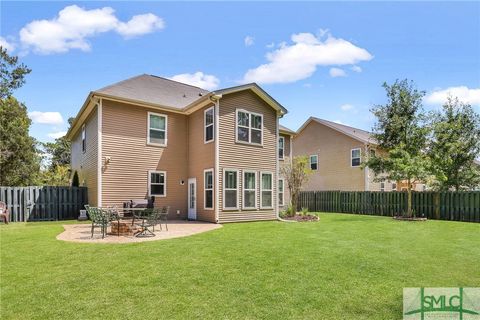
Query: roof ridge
[[182, 83], [344, 125], [120, 82]]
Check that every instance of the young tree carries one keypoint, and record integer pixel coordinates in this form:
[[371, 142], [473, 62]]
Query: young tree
[[454, 146], [296, 174], [19, 160], [400, 130], [11, 73], [59, 150]]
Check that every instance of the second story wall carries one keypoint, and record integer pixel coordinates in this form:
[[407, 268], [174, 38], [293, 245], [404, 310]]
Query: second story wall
[[333, 149]]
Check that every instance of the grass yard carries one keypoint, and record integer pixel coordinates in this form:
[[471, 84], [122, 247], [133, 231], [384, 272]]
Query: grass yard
[[344, 267]]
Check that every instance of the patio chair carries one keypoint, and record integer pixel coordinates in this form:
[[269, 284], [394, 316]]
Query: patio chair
[[147, 221], [4, 214], [99, 219], [164, 216]]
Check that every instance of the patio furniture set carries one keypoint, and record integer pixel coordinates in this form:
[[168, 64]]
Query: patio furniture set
[[138, 222]]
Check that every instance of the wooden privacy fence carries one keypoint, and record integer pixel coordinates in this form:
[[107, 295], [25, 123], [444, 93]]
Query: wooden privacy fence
[[43, 203], [459, 206]]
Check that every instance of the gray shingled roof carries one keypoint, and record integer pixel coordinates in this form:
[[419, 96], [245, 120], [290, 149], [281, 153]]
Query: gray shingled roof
[[157, 90], [285, 129], [359, 134]]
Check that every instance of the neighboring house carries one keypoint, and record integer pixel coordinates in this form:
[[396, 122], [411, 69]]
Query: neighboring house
[[284, 156], [210, 156], [335, 153]]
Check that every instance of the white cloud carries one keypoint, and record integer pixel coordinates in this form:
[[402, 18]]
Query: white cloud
[[297, 61], [463, 93], [56, 135], [356, 69], [198, 79], [46, 117], [346, 107], [249, 41], [9, 46], [337, 72], [74, 25]]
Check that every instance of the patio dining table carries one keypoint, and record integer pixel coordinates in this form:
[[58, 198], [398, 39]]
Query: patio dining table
[[127, 214]]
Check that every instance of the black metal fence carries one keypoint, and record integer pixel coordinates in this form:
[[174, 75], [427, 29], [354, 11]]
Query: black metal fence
[[459, 206], [43, 203]]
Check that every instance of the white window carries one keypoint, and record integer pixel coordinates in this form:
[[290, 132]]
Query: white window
[[281, 147], [209, 125], [280, 192], [208, 187], [249, 189], [382, 186], [314, 162], [157, 183], [394, 186], [157, 129], [230, 189], [249, 127], [266, 195], [355, 157], [84, 139]]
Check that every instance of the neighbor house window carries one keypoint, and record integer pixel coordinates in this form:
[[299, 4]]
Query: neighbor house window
[[249, 189], [157, 183], [266, 190], [280, 192], [208, 187], [314, 162], [157, 129], [209, 120], [249, 127], [230, 189], [382, 186], [281, 147], [355, 157], [84, 139], [394, 186]]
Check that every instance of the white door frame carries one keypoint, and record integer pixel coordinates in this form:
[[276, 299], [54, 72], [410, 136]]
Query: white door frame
[[192, 211]]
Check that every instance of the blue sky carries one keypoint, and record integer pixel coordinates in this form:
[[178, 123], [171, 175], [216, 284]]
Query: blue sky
[[322, 59]]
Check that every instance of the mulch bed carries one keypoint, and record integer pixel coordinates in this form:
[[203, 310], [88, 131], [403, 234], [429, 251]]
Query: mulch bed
[[303, 218], [402, 218]]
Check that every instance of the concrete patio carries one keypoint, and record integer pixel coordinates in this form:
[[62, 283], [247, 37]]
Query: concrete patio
[[176, 229]]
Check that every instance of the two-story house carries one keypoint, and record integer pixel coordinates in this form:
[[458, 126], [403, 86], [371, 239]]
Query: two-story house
[[210, 156]]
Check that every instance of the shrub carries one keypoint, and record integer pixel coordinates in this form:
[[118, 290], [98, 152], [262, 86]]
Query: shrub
[[75, 180]]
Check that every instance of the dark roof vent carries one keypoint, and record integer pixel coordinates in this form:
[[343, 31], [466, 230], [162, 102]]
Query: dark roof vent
[[200, 94]]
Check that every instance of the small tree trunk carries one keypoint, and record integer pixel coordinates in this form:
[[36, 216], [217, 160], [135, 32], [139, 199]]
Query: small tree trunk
[[409, 199]]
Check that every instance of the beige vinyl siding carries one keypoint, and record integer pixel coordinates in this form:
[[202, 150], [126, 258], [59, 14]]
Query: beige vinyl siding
[[334, 163], [247, 157], [124, 140], [201, 157], [86, 163]]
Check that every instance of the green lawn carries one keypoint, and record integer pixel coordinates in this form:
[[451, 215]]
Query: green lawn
[[343, 267]]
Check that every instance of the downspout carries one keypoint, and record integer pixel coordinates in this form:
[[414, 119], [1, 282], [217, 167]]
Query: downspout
[[216, 99], [367, 171], [277, 176]]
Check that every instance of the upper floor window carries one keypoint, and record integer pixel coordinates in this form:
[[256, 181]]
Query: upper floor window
[[249, 127], [382, 186], [355, 157], [394, 186], [209, 127], [84, 139], [157, 129], [314, 162], [157, 183], [281, 147]]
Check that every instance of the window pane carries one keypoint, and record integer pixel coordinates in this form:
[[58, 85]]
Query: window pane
[[266, 181], [249, 180], [256, 122], [249, 199], [208, 180], [280, 199], [157, 189], [209, 117], [356, 153], [209, 199], [157, 136], [157, 122], [230, 198], [230, 180], [256, 136], [355, 162], [242, 134], [280, 186], [243, 119], [266, 199], [209, 133]]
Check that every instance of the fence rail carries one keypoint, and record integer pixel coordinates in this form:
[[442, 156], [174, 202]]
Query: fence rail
[[43, 203], [458, 206]]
